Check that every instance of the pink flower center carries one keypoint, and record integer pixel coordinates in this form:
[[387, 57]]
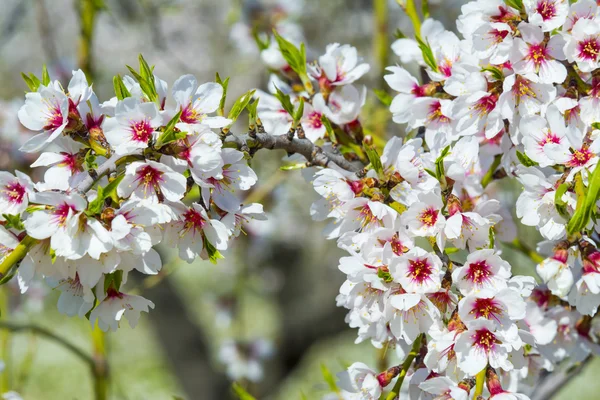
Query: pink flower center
[[397, 246], [69, 161], [478, 272], [486, 104], [549, 138], [538, 53], [356, 186], [522, 88], [366, 216], [54, 118], [429, 216], [547, 9], [445, 67], [314, 119], [484, 340], [190, 116], [418, 91], [504, 15], [141, 131], [14, 192], [193, 220], [589, 49], [486, 308], [436, 115], [419, 270], [580, 157], [497, 36], [149, 176], [61, 213]]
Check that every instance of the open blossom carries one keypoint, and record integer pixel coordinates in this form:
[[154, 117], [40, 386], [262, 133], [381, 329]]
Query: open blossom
[[583, 45], [152, 181], [548, 14], [359, 382], [133, 126], [417, 271], [483, 269], [14, 192], [196, 102], [46, 110], [340, 65], [115, 305]]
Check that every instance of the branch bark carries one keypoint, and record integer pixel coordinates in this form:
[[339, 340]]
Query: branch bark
[[313, 153]]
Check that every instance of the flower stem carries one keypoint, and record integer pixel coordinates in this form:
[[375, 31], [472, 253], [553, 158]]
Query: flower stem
[[100, 368], [405, 366], [16, 255], [479, 381], [409, 8]]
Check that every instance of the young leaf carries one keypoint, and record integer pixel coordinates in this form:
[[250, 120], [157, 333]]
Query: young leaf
[[13, 221], [240, 104], [224, 84], [213, 253], [262, 44], [586, 202], [329, 129], [170, 134], [121, 90], [383, 96], [32, 81], [285, 101], [45, 76], [241, 393], [299, 112], [95, 206], [328, 376], [561, 206], [525, 160], [374, 159], [296, 58], [252, 111], [428, 56]]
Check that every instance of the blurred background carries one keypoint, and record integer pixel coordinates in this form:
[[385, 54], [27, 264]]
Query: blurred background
[[265, 315]]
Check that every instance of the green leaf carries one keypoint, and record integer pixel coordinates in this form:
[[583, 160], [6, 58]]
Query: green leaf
[[262, 44], [296, 58], [285, 101], [428, 56], [145, 78], [518, 4], [329, 129], [240, 104], [90, 160], [384, 97], [224, 84], [328, 376], [45, 76], [95, 206], [425, 9], [241, 393], [213, 254], [299, 112], [252, 111], [496, 73], [121, 90], [561, 206], [525, 160], [398, 34], [374, 159], [586, 202], [170, 134], [13, 221], [439, 163], [32, 81]]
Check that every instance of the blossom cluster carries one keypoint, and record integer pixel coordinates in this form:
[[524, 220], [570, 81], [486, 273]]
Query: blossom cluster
[[84, 231], [424, 218]]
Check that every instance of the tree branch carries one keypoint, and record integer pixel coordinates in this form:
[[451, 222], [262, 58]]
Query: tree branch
[[313, 153]]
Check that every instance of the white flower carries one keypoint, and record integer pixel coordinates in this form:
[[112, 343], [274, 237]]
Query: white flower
[[360, 382], [46, 110], [418, 271], [548, 14], [483, 269], [133, 126], [532, 55], [14, 193], [116, 305], [481, 344], [196, 102], [344, 104], [152, 181], [340, 65], [503, 308], [583, 45]]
